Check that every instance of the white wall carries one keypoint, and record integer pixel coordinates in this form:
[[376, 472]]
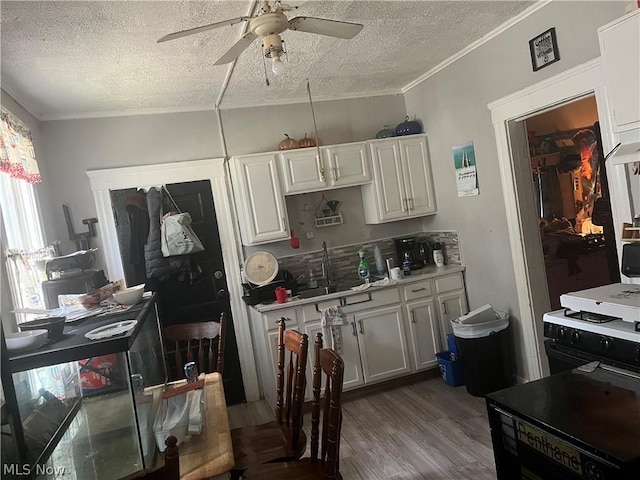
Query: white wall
[[453, 106], [72, 147]]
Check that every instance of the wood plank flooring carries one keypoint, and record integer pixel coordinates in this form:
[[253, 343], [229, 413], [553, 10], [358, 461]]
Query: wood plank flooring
[[423, 431]]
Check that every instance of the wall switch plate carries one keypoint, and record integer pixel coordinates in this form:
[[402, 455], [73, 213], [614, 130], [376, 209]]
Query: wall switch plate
[[309, 235]]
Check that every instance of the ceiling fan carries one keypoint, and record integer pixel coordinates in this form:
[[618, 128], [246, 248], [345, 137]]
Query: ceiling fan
[[269, 22]]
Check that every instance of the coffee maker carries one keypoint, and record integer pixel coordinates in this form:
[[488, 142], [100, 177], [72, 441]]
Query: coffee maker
[[423, 253], [405, 250], [416, 251]]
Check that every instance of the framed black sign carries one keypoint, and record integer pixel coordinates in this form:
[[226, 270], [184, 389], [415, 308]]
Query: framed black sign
[[544, 49]]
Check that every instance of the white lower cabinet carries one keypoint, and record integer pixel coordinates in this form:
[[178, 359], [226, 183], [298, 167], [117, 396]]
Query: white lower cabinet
[[424, 333], [353, 376], [389, 332], [452, 302], [383, 343]]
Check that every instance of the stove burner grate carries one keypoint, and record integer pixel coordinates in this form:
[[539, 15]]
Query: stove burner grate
[[589, 316]]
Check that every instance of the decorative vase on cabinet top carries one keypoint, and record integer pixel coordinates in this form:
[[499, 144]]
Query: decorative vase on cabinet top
[[408, 127], [386, 132]]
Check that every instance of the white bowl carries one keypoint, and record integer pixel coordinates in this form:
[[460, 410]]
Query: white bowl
[[129, 296], [28, 340]]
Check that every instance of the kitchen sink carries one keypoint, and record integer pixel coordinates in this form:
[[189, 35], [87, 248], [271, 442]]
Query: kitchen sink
[[312, 292], [320, 291]]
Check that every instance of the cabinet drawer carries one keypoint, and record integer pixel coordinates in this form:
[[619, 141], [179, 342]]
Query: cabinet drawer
[[271, 319], [449, 283], [352, 303], [418, 290]]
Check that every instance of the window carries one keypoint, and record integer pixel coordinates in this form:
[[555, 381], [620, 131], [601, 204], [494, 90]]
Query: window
[[22, 234]]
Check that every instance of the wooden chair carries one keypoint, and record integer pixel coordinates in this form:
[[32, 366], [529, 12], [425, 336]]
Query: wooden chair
[[282, 439], [169, 471], [197, 340], [325, 466]]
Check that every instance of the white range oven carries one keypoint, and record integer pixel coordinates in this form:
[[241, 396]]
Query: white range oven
[[598, 324]]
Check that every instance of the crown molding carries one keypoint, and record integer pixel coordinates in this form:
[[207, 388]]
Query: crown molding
[[478, 43]]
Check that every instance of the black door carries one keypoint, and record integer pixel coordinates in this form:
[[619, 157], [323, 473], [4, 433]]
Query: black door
[[182, 299]]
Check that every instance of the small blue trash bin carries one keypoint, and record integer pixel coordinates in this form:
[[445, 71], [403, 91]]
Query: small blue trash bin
[[451, 370]]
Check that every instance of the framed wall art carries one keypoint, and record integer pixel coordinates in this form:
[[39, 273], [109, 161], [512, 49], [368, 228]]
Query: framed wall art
[[544, 49]]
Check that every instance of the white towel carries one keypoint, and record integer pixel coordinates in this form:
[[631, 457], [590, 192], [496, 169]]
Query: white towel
[[332, 319]]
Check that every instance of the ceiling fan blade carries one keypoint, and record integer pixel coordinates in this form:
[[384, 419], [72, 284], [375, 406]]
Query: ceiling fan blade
[[321, 26], [235, 51], [203, 28]]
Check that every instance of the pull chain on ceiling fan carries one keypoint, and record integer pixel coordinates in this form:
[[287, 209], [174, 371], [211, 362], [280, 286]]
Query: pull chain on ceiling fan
[[268, 24]]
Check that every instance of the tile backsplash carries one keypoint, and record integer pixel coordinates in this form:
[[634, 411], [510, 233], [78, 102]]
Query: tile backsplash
[[344, 259]]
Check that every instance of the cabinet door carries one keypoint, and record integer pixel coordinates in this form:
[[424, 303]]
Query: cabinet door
[[452, 305], [424, 333], [621, 61], [349, 352], [383, 343], [301, 171], [347, 164], [391, 201], [418, 182], [261, 207]]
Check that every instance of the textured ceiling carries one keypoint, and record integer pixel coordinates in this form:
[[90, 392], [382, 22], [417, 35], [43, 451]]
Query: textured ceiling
[[91, 58]]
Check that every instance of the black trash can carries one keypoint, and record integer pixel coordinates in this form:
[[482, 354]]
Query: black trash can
[[485, 351]]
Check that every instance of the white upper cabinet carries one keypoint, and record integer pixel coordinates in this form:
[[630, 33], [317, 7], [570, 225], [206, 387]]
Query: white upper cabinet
[[342, 166], [259, 199], [301, 171], [347, 164], [620, 50], [402, 183]]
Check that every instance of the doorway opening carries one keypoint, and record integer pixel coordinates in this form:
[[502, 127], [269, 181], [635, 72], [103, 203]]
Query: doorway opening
[[190, 288], [571, 192]]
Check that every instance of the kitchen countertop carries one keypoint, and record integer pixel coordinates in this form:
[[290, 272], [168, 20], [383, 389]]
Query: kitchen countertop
[[417, 275]]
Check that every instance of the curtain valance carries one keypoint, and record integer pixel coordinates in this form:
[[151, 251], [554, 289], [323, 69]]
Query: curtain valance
[[17, 155]]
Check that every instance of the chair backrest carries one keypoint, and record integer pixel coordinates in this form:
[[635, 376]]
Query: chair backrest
[[327, 364], [289, 402], [169, 471], [194, 342]]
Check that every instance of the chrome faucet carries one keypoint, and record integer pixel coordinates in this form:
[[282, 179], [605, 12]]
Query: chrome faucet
[[326, 270]]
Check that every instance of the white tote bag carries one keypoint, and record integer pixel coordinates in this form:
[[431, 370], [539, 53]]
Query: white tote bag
[[177, 236]]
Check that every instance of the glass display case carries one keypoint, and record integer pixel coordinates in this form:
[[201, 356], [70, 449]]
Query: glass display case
[[75, 408]]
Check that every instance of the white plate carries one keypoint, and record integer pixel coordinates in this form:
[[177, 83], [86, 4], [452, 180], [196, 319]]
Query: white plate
[[260, 268], [110, 330]]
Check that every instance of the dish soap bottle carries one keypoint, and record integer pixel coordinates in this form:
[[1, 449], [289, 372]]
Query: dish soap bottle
[[363, 266]]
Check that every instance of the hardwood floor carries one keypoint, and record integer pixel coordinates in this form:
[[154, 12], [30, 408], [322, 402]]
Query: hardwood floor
[[423, 431]]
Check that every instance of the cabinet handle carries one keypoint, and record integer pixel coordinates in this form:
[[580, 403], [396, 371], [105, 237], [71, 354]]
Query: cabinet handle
[[284, 223], [361, 327], [353, 329], [320, 168], [412, 207], [334, 170], [444, 308], [404, 205], [413, 316], [422, 289]]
